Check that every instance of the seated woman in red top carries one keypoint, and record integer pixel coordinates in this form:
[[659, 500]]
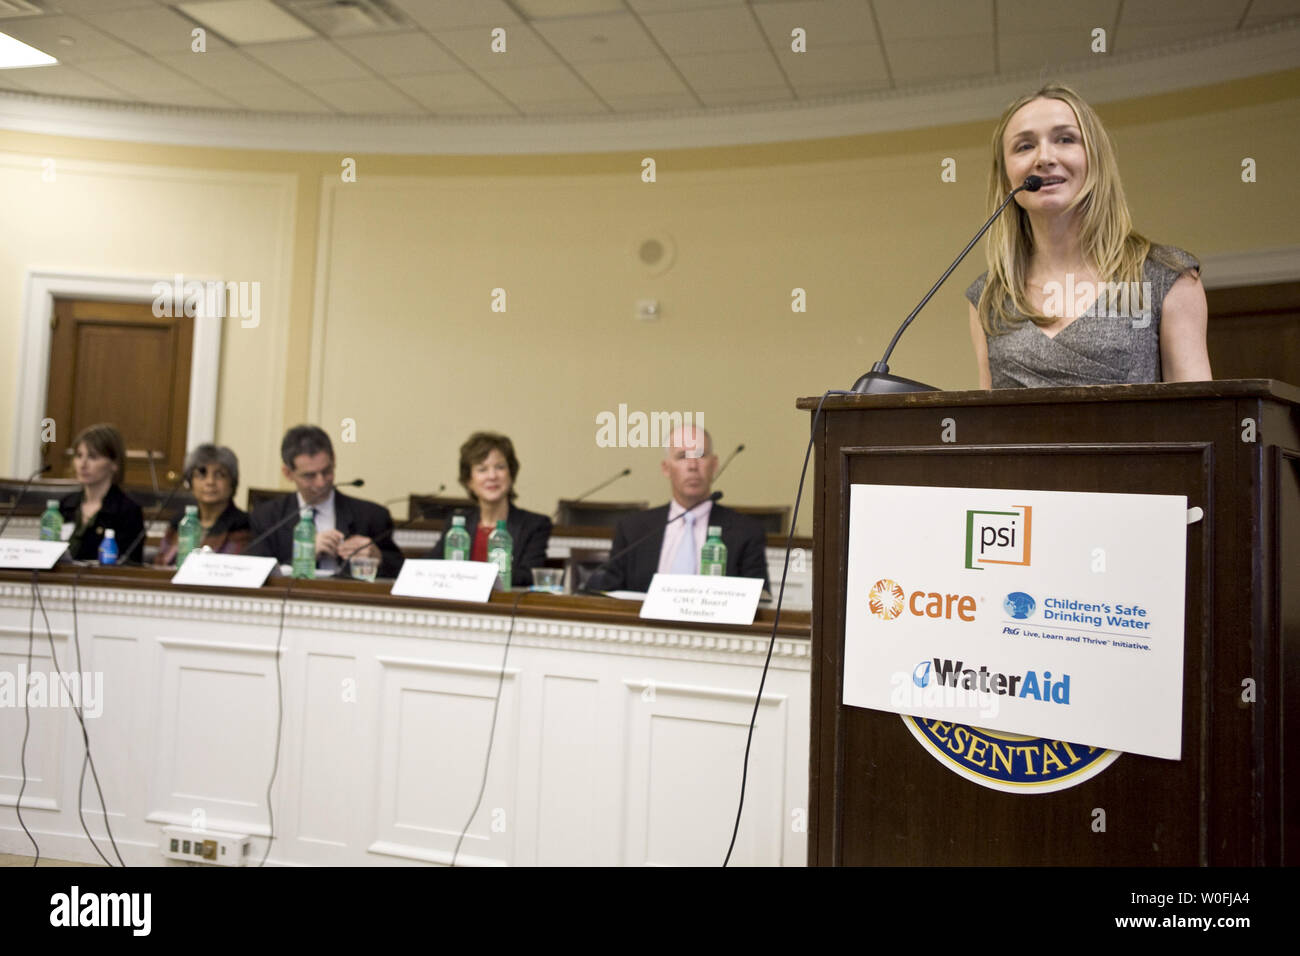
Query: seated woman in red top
[[488, 468], [212, 475]]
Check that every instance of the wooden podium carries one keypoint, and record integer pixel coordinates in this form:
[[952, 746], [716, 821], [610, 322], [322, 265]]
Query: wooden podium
[[878, 797]]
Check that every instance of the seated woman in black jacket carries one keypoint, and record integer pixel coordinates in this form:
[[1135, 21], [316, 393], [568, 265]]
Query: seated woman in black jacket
[[488, 468], [99, 456]]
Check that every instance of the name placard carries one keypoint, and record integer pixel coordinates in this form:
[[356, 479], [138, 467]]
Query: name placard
[[211, 569], [30, 554], [702, 599], [445, 580]]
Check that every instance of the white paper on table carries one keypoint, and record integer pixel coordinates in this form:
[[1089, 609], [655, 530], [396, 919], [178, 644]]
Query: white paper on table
[[211, 569], [702, 599], [30, 554], [446, 580]]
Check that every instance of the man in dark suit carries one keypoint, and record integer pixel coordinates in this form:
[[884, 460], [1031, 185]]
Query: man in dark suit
[[673, 546], [344, 526]]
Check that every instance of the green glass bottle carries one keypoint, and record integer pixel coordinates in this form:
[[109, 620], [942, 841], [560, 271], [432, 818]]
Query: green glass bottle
[[304, 546], [51, 521], [713, 556], [501, 549], [455, 546], [188, 534]]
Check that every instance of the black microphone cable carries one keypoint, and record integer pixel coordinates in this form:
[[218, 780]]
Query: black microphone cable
[[19, 499], [776, 621], [85, 760], [279, 725], [27, 728], [496, 703], [78, 710]]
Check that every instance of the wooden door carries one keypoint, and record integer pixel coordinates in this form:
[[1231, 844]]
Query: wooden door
[[1254, 332], [117, 362]]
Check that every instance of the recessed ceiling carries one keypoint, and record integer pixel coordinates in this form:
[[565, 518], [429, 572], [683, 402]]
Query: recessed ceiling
[[565, 58]]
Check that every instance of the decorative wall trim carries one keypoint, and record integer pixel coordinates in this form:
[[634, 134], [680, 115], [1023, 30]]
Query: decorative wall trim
[[717, 646], [447, 667], [1184, 65], [707, 693], [219, 646], [407, 851]]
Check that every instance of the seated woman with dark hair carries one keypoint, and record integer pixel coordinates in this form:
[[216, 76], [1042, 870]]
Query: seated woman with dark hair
[[488, 468], [212, 475], [99, 455]]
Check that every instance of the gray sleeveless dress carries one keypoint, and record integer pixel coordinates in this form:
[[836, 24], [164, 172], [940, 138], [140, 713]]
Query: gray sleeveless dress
[[1113, 343]]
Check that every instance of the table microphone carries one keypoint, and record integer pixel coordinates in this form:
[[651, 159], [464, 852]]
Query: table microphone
[[878, 381], [730, 458], [347, 562], [156, 515], [591, 491], [19, 500], [293, 515], [354, 483], [645, 537]]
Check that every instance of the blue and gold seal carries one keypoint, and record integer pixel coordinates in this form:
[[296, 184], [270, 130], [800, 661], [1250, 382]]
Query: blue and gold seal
[[1011, 763]]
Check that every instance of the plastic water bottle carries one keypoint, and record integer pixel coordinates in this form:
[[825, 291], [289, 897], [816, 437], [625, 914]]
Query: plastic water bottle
[[51, 521], [455, 546], [501, 549], [188, 534], [108, 547], [304, 546], [713, 556]]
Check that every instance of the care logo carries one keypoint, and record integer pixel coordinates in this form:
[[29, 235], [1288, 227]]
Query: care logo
[[998, 537], [885, 599], [1008, 762]]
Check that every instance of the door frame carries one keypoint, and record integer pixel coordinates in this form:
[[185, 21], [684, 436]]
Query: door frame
[[40, 289]]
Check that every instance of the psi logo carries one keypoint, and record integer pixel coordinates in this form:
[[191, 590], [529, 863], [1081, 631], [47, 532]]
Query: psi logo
[[998, 537]]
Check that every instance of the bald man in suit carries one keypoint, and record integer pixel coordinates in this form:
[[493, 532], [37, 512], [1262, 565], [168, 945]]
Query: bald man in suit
[[671, 546]]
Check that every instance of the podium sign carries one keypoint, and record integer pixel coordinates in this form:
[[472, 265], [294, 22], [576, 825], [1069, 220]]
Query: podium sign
[[1052, 614]]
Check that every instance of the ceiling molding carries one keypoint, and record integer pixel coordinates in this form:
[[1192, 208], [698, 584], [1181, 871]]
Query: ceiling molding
[[1185, 65]]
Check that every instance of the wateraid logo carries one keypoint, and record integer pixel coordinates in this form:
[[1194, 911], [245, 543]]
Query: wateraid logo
[[887, 600], [921, 674], [1027, 686]]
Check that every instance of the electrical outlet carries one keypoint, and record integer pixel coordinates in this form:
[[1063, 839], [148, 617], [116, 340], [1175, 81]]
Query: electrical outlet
[[213, 847]]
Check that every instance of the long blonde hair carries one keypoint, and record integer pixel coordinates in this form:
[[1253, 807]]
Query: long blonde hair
[[1106, 233]]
